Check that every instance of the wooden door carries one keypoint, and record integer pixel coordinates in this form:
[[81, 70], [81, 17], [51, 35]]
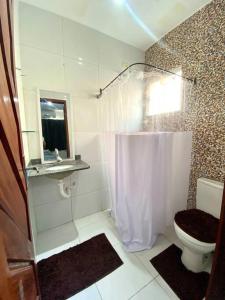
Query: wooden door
[[17, 267], [216, 288]]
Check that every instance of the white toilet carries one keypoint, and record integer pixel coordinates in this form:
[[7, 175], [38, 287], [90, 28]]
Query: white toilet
[[197, 228]]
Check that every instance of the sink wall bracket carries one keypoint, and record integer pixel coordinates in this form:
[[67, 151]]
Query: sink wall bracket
[[65, 192]]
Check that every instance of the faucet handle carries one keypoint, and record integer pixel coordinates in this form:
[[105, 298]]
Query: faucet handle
[[58, 158]]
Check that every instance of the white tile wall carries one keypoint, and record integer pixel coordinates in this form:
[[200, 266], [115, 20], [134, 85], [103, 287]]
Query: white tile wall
[[30, 106], [85, 115], [82, 78], [45, 190], [32, 218], [40, 29], [115, 55], [81, 41], [88, 203], [50, 208], [89, 144], [30, 102], [42, 69], [90, 180], [51, 215], [61, 55], [19, 80]]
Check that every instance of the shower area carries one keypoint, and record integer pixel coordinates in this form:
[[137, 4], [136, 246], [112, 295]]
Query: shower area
[[147, 144], [139, 175]]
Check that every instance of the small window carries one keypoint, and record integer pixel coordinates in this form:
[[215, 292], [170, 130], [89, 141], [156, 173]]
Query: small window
[[165, 95]]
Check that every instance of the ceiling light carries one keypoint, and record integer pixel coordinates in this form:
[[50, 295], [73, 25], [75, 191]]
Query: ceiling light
[[119, 2]]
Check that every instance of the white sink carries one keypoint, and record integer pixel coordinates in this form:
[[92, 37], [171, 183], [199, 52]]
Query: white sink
[[61, 171], [59, 168]]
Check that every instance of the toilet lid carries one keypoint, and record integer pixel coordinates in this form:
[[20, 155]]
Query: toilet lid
[[198, 224]]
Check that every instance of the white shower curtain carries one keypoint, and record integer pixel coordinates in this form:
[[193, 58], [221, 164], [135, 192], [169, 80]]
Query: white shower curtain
[[152, 175], [138, 165], [120, 110]]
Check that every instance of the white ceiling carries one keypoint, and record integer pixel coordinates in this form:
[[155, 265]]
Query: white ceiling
[[137, 22]]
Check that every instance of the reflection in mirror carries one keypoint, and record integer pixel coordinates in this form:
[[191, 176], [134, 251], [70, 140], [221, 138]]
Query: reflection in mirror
[[54, 123]]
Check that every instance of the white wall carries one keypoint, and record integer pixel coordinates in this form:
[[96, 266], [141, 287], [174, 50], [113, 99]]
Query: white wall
[[60, 55], [19, 80]]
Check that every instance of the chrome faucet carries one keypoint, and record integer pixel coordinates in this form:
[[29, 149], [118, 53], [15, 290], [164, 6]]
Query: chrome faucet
[[58, 158]]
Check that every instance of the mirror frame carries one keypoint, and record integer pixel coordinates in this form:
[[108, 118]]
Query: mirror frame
[[68, 112]]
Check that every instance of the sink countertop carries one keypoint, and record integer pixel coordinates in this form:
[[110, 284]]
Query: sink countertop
[[41, 169]]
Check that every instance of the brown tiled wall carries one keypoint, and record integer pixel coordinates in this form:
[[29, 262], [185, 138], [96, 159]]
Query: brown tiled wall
[[198, 47]]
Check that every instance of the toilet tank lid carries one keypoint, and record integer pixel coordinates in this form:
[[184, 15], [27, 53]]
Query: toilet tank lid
[[213, 183], [209, 196]]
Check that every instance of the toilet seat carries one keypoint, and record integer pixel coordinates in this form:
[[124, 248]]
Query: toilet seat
[[198, 224]]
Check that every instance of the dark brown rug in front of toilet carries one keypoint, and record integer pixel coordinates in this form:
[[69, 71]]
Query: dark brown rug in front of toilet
[[69, 272], [186, 284]]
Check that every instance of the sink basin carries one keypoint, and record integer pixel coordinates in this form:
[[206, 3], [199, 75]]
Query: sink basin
[[60, 171], [59, 168]]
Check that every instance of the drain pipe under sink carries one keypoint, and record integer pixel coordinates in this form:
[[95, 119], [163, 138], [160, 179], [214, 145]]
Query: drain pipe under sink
[[64, 191]]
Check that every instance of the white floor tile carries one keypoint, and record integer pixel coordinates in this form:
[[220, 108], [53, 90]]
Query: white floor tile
[[144, 256], [151, 291], [166, 288], [90, 293], [54, 240], [95, 228], [126, 280], [103, 217]]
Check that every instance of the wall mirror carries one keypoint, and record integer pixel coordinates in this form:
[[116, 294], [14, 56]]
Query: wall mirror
[[54, 123]]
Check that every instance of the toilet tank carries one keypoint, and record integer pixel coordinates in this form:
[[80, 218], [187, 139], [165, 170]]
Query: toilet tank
[[209, 196]]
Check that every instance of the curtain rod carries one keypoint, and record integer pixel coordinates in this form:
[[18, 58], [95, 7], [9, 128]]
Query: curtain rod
[[143, 64]]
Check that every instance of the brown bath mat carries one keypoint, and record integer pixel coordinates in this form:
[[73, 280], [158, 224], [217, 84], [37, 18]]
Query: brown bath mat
[[186, 284], [67, 273]]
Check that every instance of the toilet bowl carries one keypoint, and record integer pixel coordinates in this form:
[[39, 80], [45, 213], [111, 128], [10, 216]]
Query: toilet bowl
[[195, 254], [197, 228]]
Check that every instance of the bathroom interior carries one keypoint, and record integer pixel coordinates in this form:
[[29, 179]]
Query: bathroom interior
[[122, 125]]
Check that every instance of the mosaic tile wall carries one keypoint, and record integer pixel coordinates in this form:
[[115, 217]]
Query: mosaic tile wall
[[198, 47]]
